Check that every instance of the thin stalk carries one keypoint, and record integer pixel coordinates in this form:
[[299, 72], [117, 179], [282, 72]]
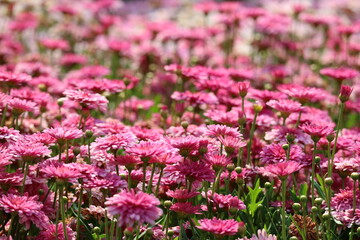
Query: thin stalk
[[12, 222], [313, 177], [298, 120], [151, 178], [79, 213], [3, 117], [338, 125], [283, 188], [24, 179], [159, 181], [252, 130], [354, 208], [62, 209], [129, 180], [144, 176], [57, 213]]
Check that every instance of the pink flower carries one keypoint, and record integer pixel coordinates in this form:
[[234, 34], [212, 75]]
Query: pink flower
[[282, 169], [285, 106], [301, 93], [193, 171], [49, 233], [148, 150], [9, 135], [217, 161], [185, 209], [28, 150], [114, 142], [261, 235], [222, 131], [134, 208], [87, 100], [63, 134], [339, 74], [345, 92], [181, 194], [243, 88], [14, 79], [196, 98], [186, 145], [232, 144], [55, 44], [19, 106], [316, 131], [104, 180], [219, 227], [60, 171], [274, 153], [226, 201], [28, 209]]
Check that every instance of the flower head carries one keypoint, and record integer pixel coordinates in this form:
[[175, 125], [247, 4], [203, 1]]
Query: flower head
[[282, 169], [219, 227], [134, 208], [345, 92]]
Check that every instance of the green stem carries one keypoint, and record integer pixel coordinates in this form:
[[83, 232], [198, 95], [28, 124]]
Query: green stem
[[57, 213], [337, 134], [3, 117], [151, 178], [129, 180], [354, 209], [159, 181], [298, 120], [62, 209], [144, 176], [167, 223], [252, 130], [24, 179], [283, 188], [79, 213], [313, 177]]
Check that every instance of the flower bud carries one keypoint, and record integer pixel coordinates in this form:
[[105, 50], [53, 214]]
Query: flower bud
[[230, 167], [97, 230], [242, 228], [329, 181], [89, 133], [326, 216], [285, 147], [345, 92], [76, 150], [238, 170], [354, 176], [290, 138], [330, 137], [314, 209], [293, 238], [167, 204], [296, 207], [170, 233], [185, 125], [318, 201], [268, 185], [203, 146], [243, 88], [317, 159], [60, 102], [303, 199], [257, 108]]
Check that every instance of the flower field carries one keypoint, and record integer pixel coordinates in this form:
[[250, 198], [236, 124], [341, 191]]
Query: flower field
[[175, 120]]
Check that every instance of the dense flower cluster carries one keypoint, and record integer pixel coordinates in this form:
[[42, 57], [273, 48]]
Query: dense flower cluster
[[174, 119]]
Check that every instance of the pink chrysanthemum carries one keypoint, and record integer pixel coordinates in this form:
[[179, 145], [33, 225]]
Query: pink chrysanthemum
[[316, 131], [285, 106], [193, 171], [186, 145], [50, 231], [87, 100], [114, 142], [104, 180], [281, 169], [9, 135], [60, 171], [148, 150], [261, 235], [27, 208], [181, 194], [232, 144], [275, 153], [28, 150], [219, 227], [303, 94], [19, 106], [134, 208], [339, 74], [217, 161], [196, 98], [14, 79], [185, 209], [226, 201], [63, 134], [222, 131]]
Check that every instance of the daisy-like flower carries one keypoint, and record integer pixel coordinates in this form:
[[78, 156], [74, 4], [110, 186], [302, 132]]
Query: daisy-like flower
[[181, 194], [282, 169], [217, 161], [59, 171], [316, 131], [27, 208], [226, 201], [134, 208], [340, 74], [63, 134], [193, 171], [232, 144], [301, 93], [14, 79], [148, 150], [19, 106], [114, 142], [196, 98], [185, 209], [54, 44], [345, 166], [219, 227], [266, 95], [261, 235], [128, 161], [50, 233], [275, 153], [104, 180], [185, 145], [87, 100], [222, 131], [345, 92], [28, 150], [285, 106], [9, 135]]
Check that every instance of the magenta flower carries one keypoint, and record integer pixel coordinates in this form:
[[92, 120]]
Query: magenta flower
[[28, 209], [219, 227], [181, 194], [285, 106], [345, 92], [274, 153], [340, 74], [87, 100], [193, 171], [114, 142], [50, 231], [134, 208], [63, 134], [282, 169], [185, 209], [316, 131]]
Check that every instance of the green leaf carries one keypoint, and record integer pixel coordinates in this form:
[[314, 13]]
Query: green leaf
[[252, 196], [303, 189]]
